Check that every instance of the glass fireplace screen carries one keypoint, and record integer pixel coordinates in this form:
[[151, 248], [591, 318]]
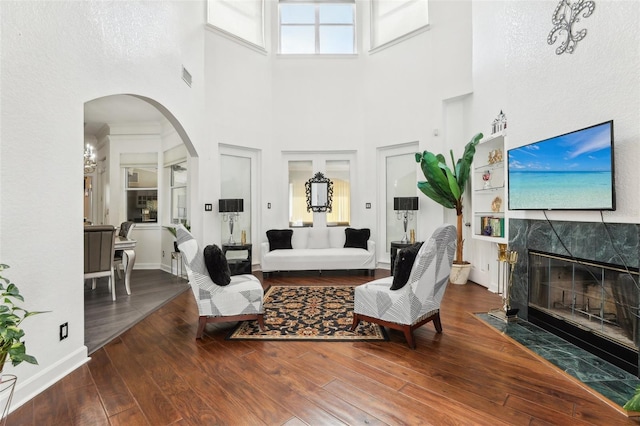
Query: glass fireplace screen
[[600, 298]]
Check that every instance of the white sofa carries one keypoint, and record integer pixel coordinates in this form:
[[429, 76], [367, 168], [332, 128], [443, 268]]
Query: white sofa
[[319, 249]]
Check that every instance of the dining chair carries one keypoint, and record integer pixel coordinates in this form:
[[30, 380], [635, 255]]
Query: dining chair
[[118, 257], [98, 254]]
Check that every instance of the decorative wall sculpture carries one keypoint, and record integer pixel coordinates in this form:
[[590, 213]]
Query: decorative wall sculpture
[[563, 19]]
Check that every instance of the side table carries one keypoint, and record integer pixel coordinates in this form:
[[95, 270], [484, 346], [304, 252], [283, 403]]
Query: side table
[[238, 265], [395, 246]]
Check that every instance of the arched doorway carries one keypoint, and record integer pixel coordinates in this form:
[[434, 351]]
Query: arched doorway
[[138, 143]]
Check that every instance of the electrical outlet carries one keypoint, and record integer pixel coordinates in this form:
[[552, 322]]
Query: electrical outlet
[[64, 331], [163, 253]]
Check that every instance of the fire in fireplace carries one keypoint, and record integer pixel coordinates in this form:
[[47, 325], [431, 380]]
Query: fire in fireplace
[[590, 304]]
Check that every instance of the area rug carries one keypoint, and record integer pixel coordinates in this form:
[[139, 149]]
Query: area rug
[[308, 313]]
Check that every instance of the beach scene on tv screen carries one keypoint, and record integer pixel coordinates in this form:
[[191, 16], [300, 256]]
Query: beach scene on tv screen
[[571, 171]]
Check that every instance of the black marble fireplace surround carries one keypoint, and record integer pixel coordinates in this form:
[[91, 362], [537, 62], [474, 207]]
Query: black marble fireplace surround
[[584, 240]]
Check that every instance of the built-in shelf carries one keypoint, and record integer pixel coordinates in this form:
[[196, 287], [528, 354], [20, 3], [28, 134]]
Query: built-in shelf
[[489, 188]]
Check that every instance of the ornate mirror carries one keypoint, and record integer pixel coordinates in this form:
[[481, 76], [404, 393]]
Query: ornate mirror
[[319, 192]]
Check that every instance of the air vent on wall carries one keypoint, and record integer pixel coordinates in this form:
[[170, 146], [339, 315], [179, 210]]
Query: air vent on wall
[[186, 76]]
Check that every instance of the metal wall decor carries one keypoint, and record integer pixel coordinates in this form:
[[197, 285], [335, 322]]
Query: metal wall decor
[[563, 19], [319, 190]]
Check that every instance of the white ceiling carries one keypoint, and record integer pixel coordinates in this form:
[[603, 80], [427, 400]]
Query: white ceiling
[[118, 109]]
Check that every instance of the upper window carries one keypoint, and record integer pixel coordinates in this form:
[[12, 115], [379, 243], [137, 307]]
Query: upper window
[[308, 27]]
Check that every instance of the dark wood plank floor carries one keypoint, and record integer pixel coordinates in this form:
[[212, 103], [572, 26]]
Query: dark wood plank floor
[[156, 373], [105, 319]]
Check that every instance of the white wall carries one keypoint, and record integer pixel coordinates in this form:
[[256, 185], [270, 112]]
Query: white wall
[[544, 94], [55, 57], [296, 104]]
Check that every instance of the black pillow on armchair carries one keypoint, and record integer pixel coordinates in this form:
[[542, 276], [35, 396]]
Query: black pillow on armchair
[[357, 238], [403, 265], [216, 263], [279, 239]]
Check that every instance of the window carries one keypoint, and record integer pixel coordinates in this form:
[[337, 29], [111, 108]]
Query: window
[[142, 194], [243, 19], [317, 27], [396, 20], [299, 173], [338, 173], [179, 193]]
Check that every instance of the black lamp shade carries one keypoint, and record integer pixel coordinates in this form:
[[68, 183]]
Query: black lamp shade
[[231, 205], [405, 203]]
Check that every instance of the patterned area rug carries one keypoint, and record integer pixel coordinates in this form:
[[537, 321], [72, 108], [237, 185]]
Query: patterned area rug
[[308, 313]]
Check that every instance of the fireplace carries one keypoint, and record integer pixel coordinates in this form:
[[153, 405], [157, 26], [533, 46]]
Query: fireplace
[[594, 306], [572, 281]]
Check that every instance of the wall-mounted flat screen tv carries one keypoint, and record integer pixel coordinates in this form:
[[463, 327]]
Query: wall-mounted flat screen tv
[[574, 171]]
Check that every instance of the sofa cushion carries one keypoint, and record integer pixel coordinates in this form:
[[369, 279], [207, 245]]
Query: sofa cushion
[[318, 238], [299, 238], [217, 265], [279, 239], [357, 238], [403, 265]]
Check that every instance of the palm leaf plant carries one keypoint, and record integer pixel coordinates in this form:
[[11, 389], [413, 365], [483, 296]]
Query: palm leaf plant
[[445, 186], [12, 346]]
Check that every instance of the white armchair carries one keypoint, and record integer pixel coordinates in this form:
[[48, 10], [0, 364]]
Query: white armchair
[[240, 300], [418, 302]]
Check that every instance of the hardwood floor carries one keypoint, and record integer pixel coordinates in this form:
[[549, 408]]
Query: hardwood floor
[[157, 373], [105, 319]]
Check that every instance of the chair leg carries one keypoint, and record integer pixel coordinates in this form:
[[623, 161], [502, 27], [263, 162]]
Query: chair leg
[[93, 283], [201, 323], [408, 334], [356, 321], [261, 321], [112, 284], [436, 323]]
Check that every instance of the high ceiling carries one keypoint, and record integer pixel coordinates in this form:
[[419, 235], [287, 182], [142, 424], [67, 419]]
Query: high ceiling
[[118, 109]]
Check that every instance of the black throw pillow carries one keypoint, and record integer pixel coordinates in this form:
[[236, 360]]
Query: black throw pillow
[[403, 265], [357, 238], [279, 239], [217, 265]]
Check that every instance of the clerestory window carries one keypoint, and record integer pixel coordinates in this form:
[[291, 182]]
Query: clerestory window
[[317, 27]]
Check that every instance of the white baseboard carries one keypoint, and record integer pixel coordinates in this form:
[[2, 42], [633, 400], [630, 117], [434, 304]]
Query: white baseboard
[[28, 389]]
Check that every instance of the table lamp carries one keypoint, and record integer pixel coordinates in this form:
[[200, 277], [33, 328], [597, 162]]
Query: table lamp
[[231, 209], [404, 207]]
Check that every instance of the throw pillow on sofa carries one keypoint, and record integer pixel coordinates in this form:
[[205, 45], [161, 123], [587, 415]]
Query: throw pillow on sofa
[[279, 239], [217, 265], [357, 238], [404, 262]]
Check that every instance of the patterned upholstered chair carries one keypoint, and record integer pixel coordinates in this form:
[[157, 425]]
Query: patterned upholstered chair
[[418, 302], [240, 300]]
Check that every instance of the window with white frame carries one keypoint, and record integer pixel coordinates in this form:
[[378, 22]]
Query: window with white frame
[[317, 27], [299, 173], [244, 19], [179, 193], [337, 171], [396, 20], [141, 194]]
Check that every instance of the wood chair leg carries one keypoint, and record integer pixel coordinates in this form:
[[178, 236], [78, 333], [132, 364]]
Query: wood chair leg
[[356, 321], [408, 334], [436, 323], [261, 322], [201, 323]]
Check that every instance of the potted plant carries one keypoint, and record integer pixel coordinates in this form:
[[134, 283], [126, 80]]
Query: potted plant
[[12, 346], [445, 186]]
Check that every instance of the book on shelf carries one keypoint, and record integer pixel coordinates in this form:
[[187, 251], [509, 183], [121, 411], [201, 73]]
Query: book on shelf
[[492, 226]]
